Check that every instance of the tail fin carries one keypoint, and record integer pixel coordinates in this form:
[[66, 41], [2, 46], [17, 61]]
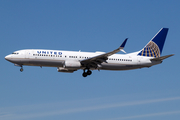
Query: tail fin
[[155, 46]]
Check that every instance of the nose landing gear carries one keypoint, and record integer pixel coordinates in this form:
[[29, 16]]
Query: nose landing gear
[[19, 65], [21, 69], [86, 73]]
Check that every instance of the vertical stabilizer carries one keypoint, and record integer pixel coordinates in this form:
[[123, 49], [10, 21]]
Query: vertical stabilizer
[[155, 46]]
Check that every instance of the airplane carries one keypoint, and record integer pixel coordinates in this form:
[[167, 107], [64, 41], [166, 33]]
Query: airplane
[[70, 61]]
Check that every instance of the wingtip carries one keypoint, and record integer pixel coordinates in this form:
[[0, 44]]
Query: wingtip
[[172, 54]]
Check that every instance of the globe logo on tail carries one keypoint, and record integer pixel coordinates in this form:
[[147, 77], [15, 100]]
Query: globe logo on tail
[[151, 50]]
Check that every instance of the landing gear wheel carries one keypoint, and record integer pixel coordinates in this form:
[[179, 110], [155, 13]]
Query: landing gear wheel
[[84, 74], [89, 72], [21, 69]]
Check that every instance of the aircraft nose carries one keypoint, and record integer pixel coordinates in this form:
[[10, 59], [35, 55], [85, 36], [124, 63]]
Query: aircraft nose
[[7, 57]]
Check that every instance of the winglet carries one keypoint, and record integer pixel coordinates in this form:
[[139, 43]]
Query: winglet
[[123, 44]]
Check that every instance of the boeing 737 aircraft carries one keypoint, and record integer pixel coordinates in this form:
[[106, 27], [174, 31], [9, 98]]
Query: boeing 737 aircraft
[[70, 61]]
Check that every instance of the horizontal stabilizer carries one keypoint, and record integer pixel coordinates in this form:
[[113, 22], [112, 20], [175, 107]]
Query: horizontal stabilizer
[[161, 58]]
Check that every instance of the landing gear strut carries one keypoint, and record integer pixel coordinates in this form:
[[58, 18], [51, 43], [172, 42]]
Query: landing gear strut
[[86, 73]]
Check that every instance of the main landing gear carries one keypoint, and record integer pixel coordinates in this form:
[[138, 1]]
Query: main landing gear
[[86, 73]]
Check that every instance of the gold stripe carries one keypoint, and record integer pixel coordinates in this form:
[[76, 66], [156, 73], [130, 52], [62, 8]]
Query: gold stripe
[[156, 52], [149, 52], [142, 52]]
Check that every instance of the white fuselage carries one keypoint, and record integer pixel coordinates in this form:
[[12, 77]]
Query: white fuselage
[[70, 61], [58, 58]]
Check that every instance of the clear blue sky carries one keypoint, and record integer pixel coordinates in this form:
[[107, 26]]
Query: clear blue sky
[[88, 25]]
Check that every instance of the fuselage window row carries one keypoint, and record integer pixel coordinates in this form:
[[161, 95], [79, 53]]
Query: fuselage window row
[[72, 56], [80, 57], [120, 59], [47, 55]]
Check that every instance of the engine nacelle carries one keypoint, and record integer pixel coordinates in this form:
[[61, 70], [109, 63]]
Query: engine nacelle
[[61, 69], [72, 64]]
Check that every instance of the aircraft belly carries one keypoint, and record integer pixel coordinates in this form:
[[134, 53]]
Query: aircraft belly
[[39, 62], [50, 63]]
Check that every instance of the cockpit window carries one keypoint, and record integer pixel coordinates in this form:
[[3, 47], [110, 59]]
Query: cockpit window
[[15, 53]]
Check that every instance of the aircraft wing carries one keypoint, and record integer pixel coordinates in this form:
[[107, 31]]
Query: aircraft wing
[[94, 61], [161, 58]]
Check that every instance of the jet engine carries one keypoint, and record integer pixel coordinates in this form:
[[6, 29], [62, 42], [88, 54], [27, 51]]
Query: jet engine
[[72, 64], [62, 69], [69, 66]]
